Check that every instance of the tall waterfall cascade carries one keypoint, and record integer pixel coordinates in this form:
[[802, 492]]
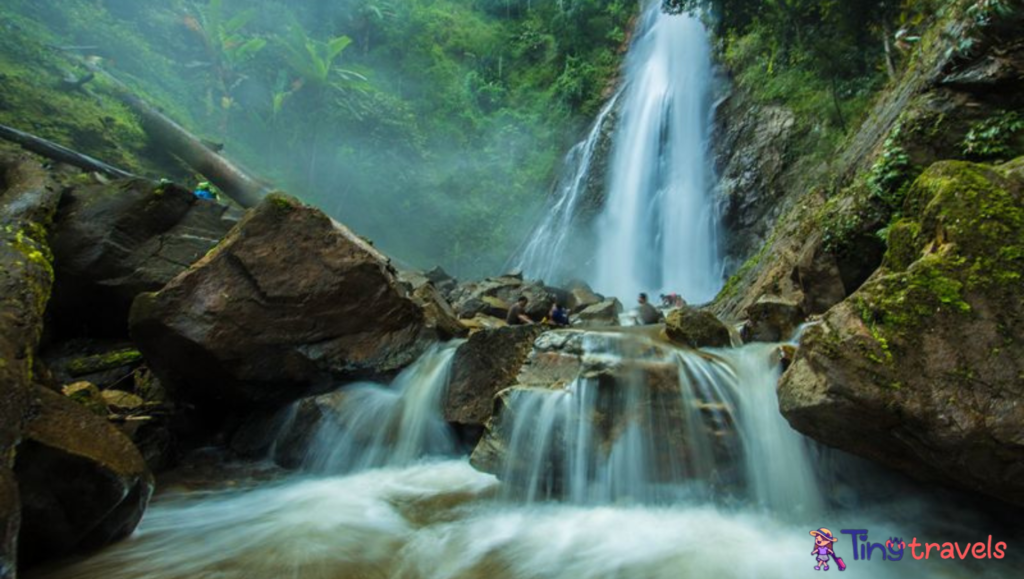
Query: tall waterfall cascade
[[658, 227]]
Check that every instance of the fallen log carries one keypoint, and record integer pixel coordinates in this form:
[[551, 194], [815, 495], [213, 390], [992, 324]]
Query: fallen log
[[51, 150], [235, 182]]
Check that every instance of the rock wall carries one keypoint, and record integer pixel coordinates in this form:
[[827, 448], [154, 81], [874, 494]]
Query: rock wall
[[809, 235]]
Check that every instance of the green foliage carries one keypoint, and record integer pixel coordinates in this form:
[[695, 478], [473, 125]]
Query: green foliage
[[995, 138], [433, 126]]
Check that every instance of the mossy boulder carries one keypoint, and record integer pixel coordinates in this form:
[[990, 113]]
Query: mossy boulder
[[696, 328], [922, 369]]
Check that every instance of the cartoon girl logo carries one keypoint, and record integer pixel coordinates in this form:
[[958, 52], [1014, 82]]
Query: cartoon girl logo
[[823, 541]]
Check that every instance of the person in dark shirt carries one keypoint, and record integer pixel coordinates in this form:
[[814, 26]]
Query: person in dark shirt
[[517, 313], [646, 313]]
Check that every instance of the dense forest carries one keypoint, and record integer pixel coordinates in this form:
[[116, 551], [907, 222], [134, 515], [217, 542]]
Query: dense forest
[[433, 127]]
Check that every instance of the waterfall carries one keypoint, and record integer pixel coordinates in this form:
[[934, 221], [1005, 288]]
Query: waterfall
[[658, 228], [552, 252], [367, 425], [646, 423]]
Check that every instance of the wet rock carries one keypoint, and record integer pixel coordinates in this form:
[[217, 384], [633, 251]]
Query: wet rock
[[83, 484], [695, 328], [290, 302], [488, 362], [603, 314], [114, 241], [771, 319], [921, 368]]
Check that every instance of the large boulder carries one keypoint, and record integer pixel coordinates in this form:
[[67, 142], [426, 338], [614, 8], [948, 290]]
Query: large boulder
[[696, 328], [83, 483], [28, 201], [114, 241], [921, 368], [487, 363], [290, 302]]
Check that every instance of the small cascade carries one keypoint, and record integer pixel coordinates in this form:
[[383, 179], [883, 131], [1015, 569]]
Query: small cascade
[[645, 422], [550, 253], [367, 425]]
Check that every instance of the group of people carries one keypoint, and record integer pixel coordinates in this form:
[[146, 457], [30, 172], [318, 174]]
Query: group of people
[[557, 315]]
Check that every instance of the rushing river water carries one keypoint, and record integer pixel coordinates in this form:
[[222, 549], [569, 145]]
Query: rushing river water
[[400, 511]]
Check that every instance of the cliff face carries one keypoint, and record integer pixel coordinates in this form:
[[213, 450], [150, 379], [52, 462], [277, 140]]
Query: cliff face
[[907, 255], [814, 234]]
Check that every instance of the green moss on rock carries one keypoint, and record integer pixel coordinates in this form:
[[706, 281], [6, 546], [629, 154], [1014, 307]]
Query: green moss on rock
[[102, 362]]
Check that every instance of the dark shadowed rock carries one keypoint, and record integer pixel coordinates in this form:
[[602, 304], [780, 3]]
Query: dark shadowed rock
[[291, 301], [695, 328], [115, 241], [921, 369], [488, 362], [83, 483], [771, 319]]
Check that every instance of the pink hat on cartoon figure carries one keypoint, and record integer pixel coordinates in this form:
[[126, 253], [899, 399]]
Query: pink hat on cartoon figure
[[824, 533]]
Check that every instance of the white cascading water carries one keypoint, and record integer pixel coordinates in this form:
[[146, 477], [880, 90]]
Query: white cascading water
[[714, 432], [368, 425], [553, 251], [658, 231]]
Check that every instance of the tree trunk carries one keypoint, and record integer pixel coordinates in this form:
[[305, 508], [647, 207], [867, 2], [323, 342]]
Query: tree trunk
[[51, 150], [235, 182]]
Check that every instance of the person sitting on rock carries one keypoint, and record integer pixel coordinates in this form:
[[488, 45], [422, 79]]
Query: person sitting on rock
[[646, 313], [517, 313], [558, 316]]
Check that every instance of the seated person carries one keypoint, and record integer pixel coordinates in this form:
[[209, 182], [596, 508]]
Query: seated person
[[646, 313], [517, 313], [558, 316]]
